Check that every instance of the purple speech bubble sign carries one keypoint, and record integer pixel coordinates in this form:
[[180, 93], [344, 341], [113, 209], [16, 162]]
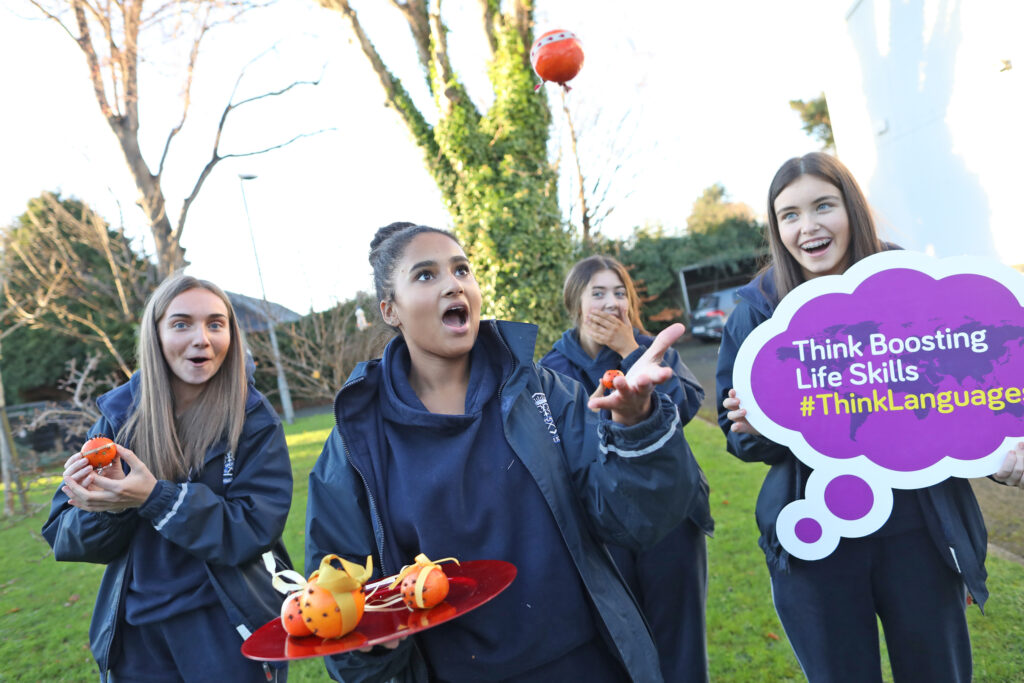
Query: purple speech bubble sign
[[899, 373]]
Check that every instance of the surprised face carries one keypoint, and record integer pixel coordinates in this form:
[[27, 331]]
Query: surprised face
[[194, 337], [436, 302], [605, 293]]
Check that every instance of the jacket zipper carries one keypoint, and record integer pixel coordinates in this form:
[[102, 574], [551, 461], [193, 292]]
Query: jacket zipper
[[117, 606], [369, 494], [515, 365]]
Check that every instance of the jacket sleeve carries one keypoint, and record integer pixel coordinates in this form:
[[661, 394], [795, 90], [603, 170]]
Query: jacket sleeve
[[747, 447], [338, 520], [635, 483], [684, 389], [233, 528], [79, 536]]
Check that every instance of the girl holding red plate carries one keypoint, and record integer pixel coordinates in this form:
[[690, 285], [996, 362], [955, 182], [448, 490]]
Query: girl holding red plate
[[455, 443]]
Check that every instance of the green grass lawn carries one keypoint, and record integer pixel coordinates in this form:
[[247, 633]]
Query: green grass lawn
[[45, 606]]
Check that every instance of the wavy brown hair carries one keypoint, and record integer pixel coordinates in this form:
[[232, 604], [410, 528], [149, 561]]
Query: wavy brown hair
[[578, 278], [173, 446], [864, 239]]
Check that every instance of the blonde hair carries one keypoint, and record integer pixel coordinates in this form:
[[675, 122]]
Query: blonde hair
[[579, 277], [174, 446]]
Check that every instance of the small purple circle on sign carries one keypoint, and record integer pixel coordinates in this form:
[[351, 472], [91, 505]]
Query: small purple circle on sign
[[848, 497], [808, 530]]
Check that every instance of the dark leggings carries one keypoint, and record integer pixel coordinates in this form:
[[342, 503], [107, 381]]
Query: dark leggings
[[828, 608], [199, 645], [670, 581]]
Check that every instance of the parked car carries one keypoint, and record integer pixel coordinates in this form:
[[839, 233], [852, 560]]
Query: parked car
[[711, 313]]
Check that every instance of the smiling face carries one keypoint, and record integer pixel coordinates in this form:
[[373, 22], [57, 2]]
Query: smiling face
[[436, 301], [194, 338], [814, 226], [605, 292]]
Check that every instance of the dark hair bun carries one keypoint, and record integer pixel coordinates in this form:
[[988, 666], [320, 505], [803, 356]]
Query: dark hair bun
[[385, 233]]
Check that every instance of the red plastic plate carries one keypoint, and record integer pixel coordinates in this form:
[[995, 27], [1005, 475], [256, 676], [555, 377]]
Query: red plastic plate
[[470, 585]]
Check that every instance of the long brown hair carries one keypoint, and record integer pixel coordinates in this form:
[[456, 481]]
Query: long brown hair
[[864, 239], [172, 447], [579, 277]]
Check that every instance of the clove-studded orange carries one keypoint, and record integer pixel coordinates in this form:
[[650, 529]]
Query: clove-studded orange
[[291, 616], [99, 451], [608, 381]]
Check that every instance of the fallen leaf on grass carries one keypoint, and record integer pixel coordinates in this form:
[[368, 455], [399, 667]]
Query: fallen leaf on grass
[[13, 610], [75, 597], [771, 635]]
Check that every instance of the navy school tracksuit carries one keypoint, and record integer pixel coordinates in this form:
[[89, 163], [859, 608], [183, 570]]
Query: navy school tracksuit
[[912, 573], [529, 475], [184, 583], [670, 579]]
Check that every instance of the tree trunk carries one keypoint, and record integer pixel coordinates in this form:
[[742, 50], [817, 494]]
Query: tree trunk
[[170, 254], [8, 457]]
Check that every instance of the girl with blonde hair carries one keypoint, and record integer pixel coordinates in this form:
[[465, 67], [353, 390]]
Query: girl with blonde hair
[[199, 491]]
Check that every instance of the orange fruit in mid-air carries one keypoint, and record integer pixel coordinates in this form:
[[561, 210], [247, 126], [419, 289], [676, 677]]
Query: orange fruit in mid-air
[[99, 451], [608, 381]]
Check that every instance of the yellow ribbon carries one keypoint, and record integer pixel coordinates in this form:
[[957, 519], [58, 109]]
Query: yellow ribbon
[[341, 583], [350, 577]]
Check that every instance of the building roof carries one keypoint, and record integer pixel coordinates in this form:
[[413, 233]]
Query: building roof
[[253, 313]]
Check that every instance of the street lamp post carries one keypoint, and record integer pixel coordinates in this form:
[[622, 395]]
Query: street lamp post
[[282, 381]]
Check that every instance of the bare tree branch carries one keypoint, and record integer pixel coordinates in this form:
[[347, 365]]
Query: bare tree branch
[[187, 91], [385, 77], [415, 12], [443, 74], [490, 11], [113, 64], [84, 41], [216, 156]]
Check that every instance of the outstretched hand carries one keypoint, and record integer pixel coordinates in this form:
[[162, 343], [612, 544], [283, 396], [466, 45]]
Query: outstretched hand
[[737, 415], [1012, 470], [630, 399], [109, 489]]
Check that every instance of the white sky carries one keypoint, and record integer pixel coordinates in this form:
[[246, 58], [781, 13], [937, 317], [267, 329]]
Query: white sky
[[705, 85]]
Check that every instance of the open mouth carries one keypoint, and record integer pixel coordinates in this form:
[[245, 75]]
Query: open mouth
[[456, 316], [816, 246], [197, 361]]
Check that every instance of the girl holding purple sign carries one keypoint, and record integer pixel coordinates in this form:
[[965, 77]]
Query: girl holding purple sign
[[913, 572]]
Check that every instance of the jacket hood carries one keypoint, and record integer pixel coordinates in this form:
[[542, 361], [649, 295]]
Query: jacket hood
[[364, 381], [569, 346], [760, 293]]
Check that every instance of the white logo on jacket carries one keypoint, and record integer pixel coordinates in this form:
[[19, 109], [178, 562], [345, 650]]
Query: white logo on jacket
[[229, 468], [541, 401]]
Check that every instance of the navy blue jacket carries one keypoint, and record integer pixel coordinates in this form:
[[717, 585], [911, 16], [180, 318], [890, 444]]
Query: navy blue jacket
[[568, 357], [950, 509], [228, 515], [602, 482]]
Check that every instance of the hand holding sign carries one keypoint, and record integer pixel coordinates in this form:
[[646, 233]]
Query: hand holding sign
[[1011, 472], [737, 415], [899, 373]]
